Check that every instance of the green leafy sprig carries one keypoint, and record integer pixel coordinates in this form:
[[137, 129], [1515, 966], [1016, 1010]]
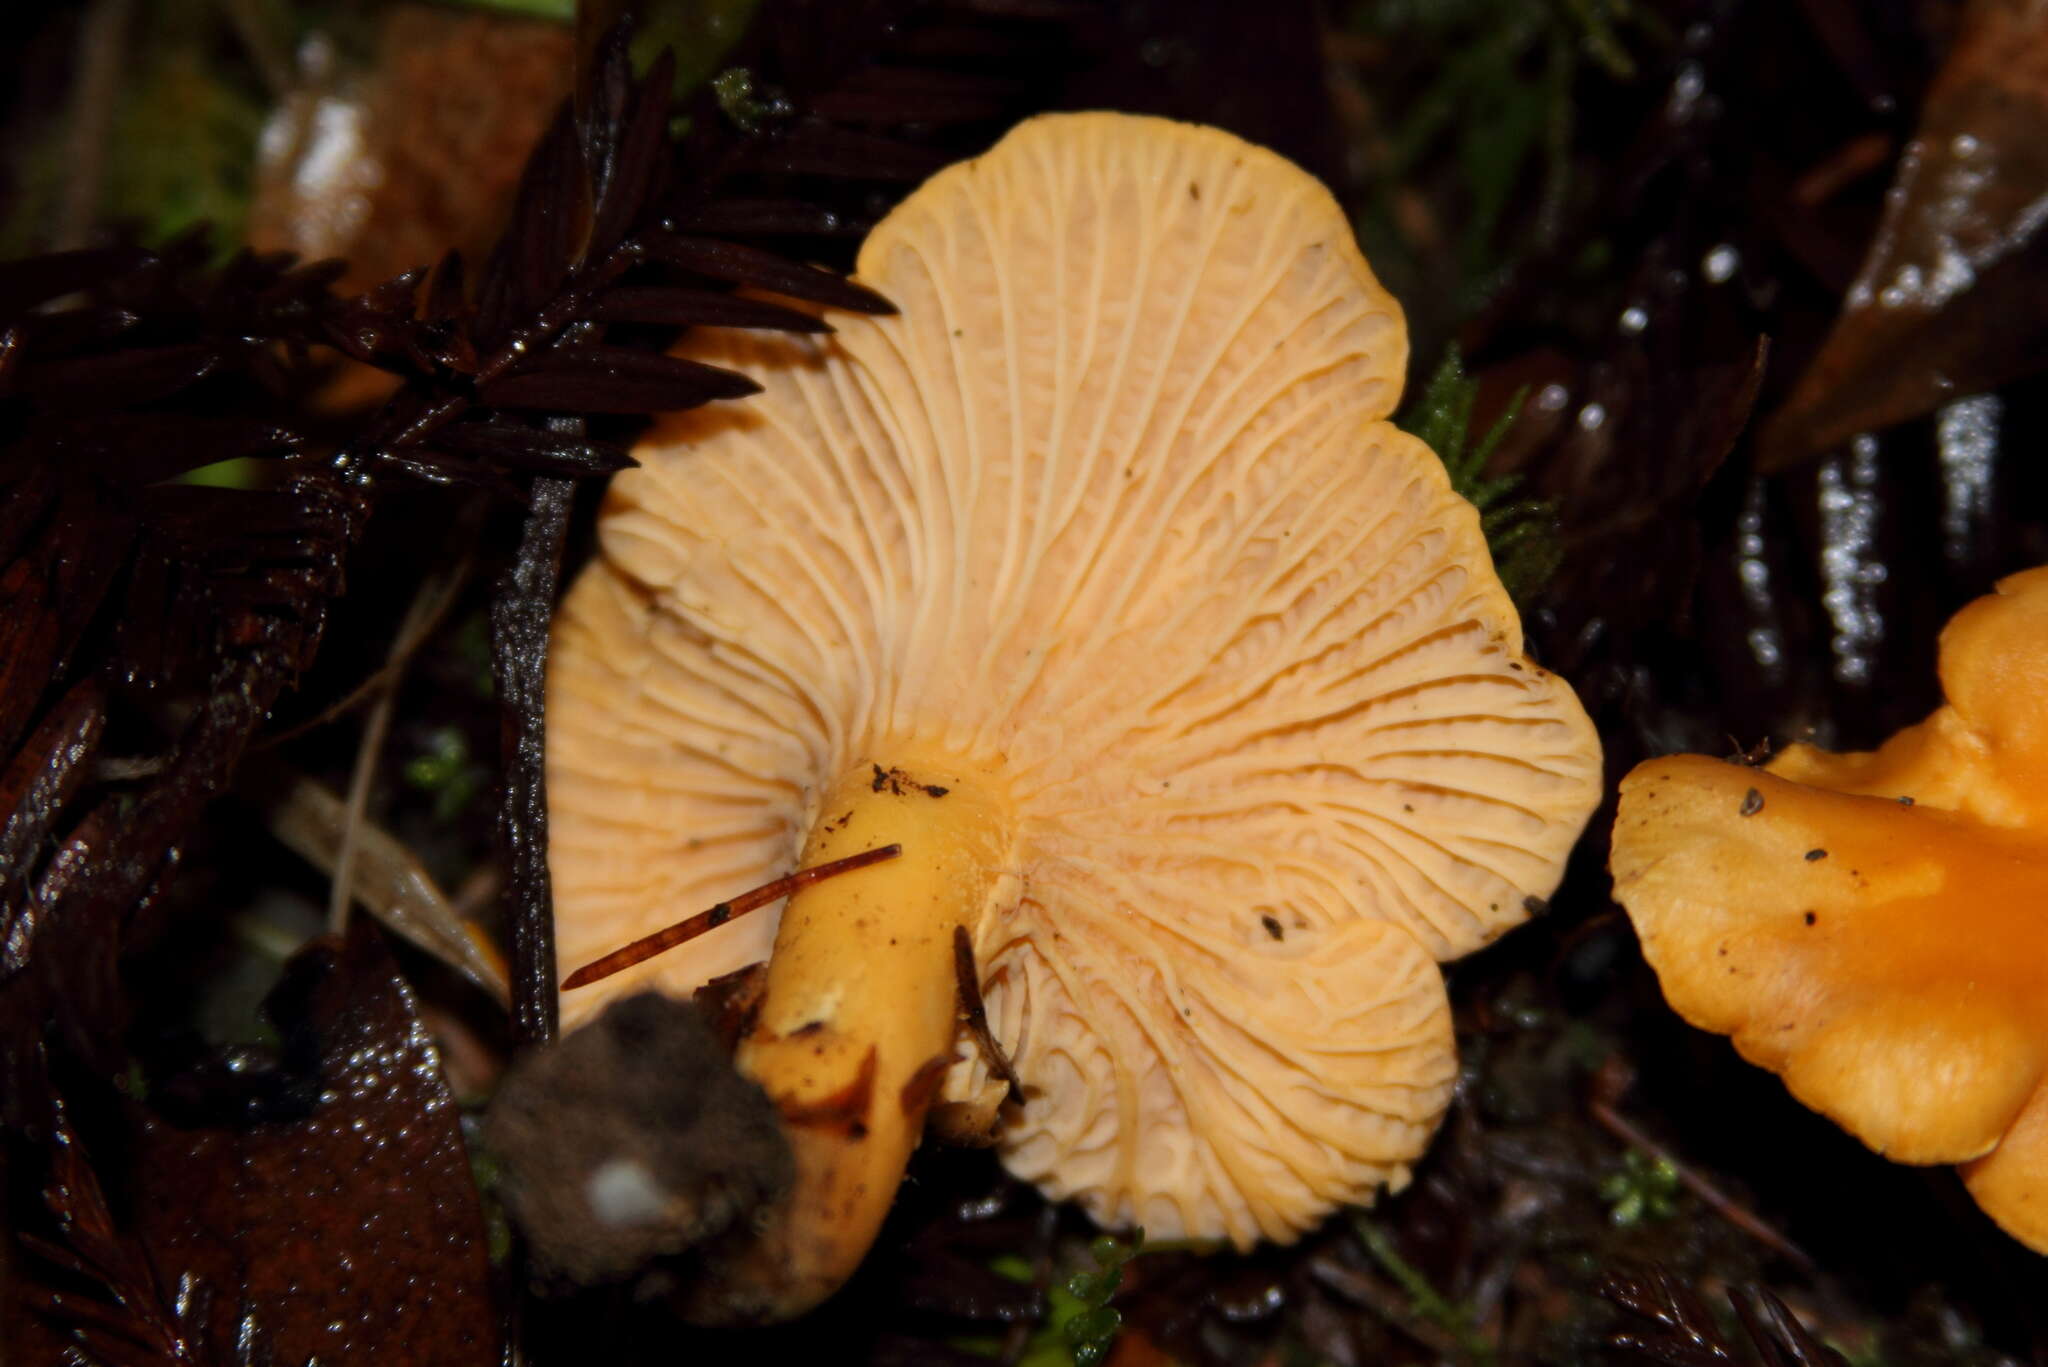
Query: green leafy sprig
[[1520, 532], [1080, 1324], [446, 769]]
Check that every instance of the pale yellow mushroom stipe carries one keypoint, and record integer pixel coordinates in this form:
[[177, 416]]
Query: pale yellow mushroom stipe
[[1106, 536]]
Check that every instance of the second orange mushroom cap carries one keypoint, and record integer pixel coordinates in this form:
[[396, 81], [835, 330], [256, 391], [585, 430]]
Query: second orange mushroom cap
[[1874, 927]]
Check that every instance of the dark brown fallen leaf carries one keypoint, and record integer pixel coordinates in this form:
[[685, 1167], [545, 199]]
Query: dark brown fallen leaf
[[352, 1229], [1952, 299]]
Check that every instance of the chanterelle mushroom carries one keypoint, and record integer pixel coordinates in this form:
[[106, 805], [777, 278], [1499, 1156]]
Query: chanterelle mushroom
[[1874, 927], [1097, 580]]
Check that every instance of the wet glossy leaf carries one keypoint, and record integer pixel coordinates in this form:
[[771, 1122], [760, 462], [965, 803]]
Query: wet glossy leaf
[[354, 1227], [1951, 300]]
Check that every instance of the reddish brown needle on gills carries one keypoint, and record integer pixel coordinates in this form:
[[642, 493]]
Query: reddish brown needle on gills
[[647, 946]]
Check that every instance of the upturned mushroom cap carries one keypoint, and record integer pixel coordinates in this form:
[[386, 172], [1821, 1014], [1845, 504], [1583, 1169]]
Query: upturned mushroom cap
[[1106, 530], [1874, 927]]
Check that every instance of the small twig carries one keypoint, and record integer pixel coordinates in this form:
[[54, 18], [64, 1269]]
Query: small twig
[[968, 978], [422, 609], [387, 880], [412, 634], [519, 662], [647, 946], [1716, 1200]]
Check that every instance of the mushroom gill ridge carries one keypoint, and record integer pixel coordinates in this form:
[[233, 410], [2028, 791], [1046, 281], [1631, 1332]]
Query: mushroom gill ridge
[[1111, 512]]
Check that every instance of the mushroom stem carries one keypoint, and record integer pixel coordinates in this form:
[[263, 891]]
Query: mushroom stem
[[859, 1020]]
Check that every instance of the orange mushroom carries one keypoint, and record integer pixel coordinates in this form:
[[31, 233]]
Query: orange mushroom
[[1097, 581], [1874, 927]]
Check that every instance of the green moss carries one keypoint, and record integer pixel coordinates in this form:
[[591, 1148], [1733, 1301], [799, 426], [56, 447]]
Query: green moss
[[1475, 111], [1080, 1325], [1520, 532], [1643, 1190], [446, 769]]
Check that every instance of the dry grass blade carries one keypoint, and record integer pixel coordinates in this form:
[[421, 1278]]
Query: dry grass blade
[[312, 821]]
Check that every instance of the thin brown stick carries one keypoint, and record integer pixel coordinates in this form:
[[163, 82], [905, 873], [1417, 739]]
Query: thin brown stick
[[969, 981], [412, 634], [681, 932], [341, 889], [1722, 1204]]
